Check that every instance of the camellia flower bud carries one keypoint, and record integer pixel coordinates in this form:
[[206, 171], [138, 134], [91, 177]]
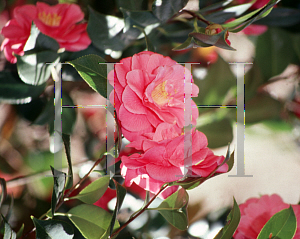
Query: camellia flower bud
[[214, 29]]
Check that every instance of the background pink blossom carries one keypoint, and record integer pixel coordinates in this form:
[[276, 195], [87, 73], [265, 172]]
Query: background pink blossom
[[59, 22], [255, 213]]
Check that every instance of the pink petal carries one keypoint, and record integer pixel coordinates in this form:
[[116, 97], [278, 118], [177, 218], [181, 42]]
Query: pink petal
[[135, 79], [164, 174], [132, 102], [133, 122]]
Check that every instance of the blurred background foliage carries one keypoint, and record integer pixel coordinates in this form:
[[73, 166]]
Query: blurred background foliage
[[272, 93]]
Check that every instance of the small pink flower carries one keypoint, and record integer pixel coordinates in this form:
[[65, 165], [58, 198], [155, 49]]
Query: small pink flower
[[255, 213], [59, 22], [149, 90], [165, 161]]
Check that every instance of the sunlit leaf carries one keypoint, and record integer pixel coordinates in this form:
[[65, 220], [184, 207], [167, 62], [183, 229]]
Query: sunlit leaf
[[91, 221], [8, 232], [94, 191], [92, 72], [58, 187], [52, 229], [281, 225]]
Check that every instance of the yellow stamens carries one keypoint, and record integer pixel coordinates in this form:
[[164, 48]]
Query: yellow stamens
[[159, 94], [50, 19]]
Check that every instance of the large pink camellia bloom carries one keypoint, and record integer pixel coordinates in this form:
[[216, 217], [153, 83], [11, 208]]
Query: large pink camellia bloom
[[59, 22], [255, 213], [149, 90], [166, 160]]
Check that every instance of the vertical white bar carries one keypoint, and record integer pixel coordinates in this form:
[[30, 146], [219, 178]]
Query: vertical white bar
[[240, 163], [187, 116], [56, 74]]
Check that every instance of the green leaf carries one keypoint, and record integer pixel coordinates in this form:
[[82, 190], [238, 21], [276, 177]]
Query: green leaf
[[281, 225], [274, 52], [232, 223], [14, 91], [35, 68], [173, 209], [58, 187], [91, 221], [3, 191], [38, 41], [92, 72], [165, 9], [219, 133], [52, 229], [67, 143], [105, 31], [8, 232], [140, 18], [121, 193], [94, 191]]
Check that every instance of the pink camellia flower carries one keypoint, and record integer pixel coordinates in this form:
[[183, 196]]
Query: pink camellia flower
[[255, 213], [166, 161], [16, 31], [149, 90], [59, 22]]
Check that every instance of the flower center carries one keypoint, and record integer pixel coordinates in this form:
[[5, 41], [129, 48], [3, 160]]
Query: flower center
[[50, 19], [159, 94]]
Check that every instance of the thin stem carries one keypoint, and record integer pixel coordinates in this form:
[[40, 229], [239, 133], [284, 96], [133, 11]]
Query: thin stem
[[139, 213]]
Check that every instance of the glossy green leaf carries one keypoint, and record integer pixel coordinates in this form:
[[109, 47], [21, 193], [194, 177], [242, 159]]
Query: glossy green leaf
[[232, 222], [8, 232], [165, 9], [281, 225], [173, 209], [58, 187], [92, 72], [140, 18], [35, 68], [105, 31], [67, 144], [52, 229], [91, 221], [94, 191], [219, 133], [14, 91]]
